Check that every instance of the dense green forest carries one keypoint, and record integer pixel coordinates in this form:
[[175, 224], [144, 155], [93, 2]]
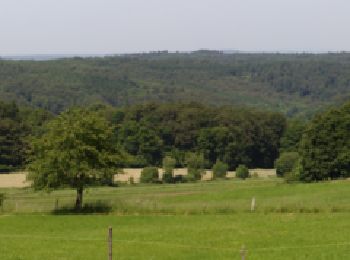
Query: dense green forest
[[294, 84], [148, 133], [232, 135], [16, 126]]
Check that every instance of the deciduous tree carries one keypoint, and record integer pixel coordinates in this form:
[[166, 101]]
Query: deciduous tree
[[75, 150]]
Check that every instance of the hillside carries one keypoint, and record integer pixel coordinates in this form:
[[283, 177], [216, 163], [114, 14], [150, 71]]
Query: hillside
[[295, 84]]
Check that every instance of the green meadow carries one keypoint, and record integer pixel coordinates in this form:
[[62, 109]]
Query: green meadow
[[205, 220]]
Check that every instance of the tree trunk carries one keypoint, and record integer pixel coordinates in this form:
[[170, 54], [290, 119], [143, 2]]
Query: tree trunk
[[79, 200]]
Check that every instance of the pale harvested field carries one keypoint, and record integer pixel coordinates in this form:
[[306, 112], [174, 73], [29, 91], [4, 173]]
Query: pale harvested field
[[136, 173], [18, 180], [14, 180]]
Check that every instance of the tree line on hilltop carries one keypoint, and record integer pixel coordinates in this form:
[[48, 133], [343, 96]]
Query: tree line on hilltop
[[294, 84]]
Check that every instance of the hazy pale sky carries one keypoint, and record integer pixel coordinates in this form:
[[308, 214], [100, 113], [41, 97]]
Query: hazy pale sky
[[124, 26]]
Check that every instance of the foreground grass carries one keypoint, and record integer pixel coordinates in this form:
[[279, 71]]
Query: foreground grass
[[271, 236], [188, 221]]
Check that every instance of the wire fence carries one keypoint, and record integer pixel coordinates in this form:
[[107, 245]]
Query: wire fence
[[64, 204]]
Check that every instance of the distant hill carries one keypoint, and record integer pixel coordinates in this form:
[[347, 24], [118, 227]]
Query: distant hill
[[295, 84]]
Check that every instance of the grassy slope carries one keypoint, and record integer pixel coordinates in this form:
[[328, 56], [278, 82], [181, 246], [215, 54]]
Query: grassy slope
[[204, 220]]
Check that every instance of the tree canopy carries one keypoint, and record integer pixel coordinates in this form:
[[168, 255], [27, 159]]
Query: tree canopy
[[325, 146], [12, 143], [233, 135], [75, 150]]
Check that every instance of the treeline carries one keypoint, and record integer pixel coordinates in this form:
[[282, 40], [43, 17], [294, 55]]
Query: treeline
[[232, 135], [16, 126], [12, 131], [148, 133], [294, 84]]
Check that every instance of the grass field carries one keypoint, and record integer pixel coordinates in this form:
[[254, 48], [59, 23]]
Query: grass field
[[207, 220]]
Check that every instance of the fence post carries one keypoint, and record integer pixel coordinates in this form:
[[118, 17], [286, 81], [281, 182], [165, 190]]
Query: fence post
[[243, 252], [252, 206], [2, 199], [110, 243], [56, 204]]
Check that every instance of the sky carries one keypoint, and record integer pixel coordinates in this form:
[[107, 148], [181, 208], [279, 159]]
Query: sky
[[129, 26]]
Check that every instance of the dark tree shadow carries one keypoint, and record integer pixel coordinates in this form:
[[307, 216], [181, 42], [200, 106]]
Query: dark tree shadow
[[98, 207]]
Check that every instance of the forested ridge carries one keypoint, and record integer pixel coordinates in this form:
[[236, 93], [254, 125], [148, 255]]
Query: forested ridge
[[294, 84]]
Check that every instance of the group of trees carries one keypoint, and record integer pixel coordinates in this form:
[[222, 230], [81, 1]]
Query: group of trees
[[323, 149], [325, 146], [12, 131], [16, 125], [149, 133], [232, 135]]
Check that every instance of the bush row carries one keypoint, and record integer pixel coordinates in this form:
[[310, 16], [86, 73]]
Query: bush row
[[195, 172]]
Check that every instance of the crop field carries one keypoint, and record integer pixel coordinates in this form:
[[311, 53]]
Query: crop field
[[18, 180], [205, 220]]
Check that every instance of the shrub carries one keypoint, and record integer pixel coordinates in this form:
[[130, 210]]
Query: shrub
[[192, 177], [195, 166], [179, 156], [294, 174], [220, 169], [168, 168], [285, 163], [179, 179], [168, 178], [149, 175], [290, 177], [242, 172]]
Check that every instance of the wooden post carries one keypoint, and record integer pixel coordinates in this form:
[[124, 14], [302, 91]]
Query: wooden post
[[243, 252], [110, 243], [56, 204], [252, 206]]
